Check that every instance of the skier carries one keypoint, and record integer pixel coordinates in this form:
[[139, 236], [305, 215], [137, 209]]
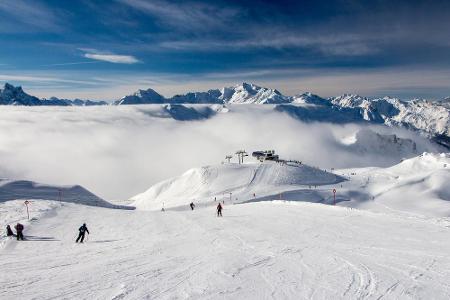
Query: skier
[[19, 228], [192, 205], [83, 229], [9, 231], [219, 210]]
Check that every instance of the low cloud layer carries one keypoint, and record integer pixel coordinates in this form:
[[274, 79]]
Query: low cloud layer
[[117, 152]]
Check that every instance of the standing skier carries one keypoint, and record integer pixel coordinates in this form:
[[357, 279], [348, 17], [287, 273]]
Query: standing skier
[[192, 205], [83, 229], [219, 210], [19, 228], [9, 231]]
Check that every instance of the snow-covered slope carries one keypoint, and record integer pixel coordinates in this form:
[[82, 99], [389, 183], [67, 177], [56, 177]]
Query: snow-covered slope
[[247, 93], [431, 117], [415, 185], [28, 190], [246, 182], [418, 185], [264, 250]]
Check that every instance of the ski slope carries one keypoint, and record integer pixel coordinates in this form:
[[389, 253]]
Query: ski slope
[[245, 182], [386, 238], [417, 186], [262, 250]]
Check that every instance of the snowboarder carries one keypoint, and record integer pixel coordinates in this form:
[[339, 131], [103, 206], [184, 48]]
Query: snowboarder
[[83, 229], [219, 210], [192, 205], [9, 231], [19, 228]]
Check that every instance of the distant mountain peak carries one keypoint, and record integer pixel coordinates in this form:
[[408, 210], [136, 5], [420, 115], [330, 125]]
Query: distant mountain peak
[[11, 95], [148, 96], [14, 95]]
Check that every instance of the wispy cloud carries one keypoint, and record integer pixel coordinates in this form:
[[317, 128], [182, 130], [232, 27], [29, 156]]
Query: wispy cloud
[[109, 57], [186, 15], [70, 63], [43, 79], [21, 15], [427, 83], [336, 45]]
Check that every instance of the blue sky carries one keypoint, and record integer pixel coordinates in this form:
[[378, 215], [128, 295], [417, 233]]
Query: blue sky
[[106, 49]]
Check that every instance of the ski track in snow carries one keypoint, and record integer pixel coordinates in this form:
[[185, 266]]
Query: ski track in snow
[[264, 250]]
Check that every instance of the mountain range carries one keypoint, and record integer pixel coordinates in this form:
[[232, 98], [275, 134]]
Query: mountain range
[[11, 95], [431, 118]]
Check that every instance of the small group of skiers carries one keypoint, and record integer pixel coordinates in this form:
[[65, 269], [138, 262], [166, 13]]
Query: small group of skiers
[[218, 208], [19, 231]]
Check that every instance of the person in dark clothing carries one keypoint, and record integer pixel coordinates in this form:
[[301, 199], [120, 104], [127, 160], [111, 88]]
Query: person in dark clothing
[[19, 228], [219, 210], [192, 205], [83, 229], [9, 231]]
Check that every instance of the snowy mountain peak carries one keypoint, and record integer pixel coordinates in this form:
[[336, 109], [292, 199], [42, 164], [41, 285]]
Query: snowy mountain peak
[[248, 93], [310, 98], [148, 96], [349, 100]]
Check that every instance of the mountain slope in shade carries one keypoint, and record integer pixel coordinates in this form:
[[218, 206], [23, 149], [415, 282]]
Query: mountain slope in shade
[[209, 97], [29, 190], [11, 95], [76, 102]]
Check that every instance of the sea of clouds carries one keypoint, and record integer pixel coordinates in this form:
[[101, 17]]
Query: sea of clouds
[[120, 151]]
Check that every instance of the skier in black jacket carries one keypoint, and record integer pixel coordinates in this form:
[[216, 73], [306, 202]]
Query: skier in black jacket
[[83, 229], [219, 210], [9, 231], [192, 205], [19, 228]]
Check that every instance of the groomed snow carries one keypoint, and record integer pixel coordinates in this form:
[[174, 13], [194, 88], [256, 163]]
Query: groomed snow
[[386, 237], [245, 182], [263, 250]]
